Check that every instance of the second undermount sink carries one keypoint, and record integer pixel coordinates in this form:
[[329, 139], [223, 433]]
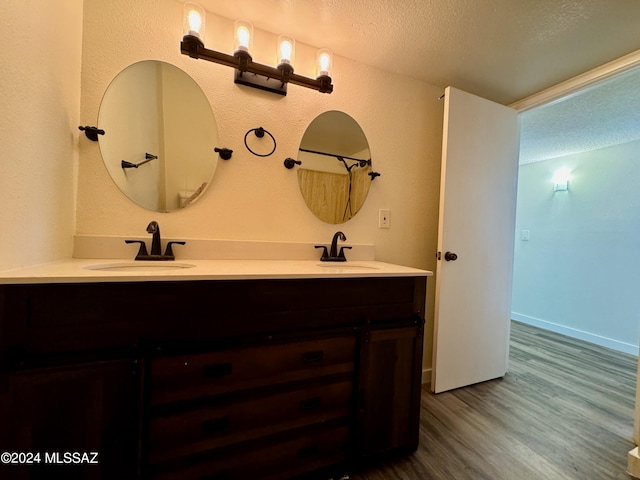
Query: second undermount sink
[[140, 266], [347, 266]]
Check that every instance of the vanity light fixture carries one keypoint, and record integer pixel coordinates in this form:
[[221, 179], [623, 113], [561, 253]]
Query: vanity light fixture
[[248, 72]]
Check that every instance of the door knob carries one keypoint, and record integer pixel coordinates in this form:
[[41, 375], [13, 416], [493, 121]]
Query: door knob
[[450, 257]]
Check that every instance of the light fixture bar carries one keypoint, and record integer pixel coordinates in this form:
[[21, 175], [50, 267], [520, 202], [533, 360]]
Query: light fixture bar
[[275, 79]]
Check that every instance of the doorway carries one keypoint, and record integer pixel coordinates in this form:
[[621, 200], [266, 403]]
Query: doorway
[[577, 254]]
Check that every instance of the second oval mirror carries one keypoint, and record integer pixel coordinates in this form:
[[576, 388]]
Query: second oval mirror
[[160, 135], [334, 176]]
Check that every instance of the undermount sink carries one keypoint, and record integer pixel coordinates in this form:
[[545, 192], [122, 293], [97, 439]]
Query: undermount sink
[[347, 266], [139, 266]]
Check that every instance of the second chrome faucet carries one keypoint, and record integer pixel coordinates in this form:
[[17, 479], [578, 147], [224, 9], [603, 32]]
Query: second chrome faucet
[[156, 245]]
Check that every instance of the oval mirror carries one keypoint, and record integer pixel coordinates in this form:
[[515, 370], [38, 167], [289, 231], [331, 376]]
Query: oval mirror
[[160, 133], [334, 175]]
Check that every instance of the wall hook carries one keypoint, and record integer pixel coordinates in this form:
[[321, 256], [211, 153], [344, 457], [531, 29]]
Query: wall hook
[[91, 132], [290, 163], [260, 133], [373, 175], [225, 153]]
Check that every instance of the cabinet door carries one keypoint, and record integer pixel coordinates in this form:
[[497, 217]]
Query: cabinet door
[[389, 389], [64, 412]]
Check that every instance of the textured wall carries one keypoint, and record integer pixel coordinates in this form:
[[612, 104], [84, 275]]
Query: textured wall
[[254, 198], [40, 92], [579, 272]]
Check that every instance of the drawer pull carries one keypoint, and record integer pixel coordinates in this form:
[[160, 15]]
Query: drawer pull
[[215, 425], [308, 451], [315, 356], [309, 404], [218, 370]]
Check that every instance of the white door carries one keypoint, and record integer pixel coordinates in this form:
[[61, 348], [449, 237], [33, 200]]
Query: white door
[[477, 221]]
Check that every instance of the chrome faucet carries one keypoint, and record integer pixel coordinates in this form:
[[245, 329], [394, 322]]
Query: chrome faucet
[[156, 247], [333, 255]]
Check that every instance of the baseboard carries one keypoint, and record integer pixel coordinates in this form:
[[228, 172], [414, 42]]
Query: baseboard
[[633, 464], [579, 334], [426, 376]]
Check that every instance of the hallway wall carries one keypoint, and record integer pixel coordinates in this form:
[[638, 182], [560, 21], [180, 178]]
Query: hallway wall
[[579, 272]]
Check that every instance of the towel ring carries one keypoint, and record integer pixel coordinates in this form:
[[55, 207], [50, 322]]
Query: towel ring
[[260, 133]]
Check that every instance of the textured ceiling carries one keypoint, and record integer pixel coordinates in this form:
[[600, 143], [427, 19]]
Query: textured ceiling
[[600, 116], [503, 50]]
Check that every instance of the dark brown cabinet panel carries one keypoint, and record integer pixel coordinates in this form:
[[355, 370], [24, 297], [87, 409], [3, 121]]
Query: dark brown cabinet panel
[[241, 379], [205, 374], [213, 412], [390, 379], [60, 414], [277, 460], [217, 424]]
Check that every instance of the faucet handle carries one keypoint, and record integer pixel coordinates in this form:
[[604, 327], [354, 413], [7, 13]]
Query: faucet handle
[[142, 252], [169, 251], [341, 254], [325, 253]]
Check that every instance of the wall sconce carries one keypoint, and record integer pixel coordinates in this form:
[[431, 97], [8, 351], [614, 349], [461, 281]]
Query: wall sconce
[[248, 72], [561, 179]]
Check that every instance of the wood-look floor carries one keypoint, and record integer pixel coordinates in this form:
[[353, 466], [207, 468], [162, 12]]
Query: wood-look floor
[[564, 411]]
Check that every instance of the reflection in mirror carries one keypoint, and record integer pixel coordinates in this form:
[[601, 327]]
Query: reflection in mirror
[[159, 136], [334, 175]]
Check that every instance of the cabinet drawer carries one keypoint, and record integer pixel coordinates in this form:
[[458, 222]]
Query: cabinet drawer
[[175, 436], [193, 376], [280, 460]]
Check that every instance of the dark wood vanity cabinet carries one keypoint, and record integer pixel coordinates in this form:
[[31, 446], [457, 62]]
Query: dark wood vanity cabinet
[[283, 408], [242, 379], [61, 414]]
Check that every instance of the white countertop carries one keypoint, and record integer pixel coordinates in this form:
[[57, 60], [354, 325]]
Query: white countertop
[[80, 271]]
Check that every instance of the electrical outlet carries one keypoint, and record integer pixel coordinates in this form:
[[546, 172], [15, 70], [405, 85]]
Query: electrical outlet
[[384, 218]]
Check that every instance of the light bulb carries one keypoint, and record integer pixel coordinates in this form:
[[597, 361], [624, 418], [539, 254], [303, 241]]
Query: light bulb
[[324, 62], [286, 49], [194, 20], [243, 36]]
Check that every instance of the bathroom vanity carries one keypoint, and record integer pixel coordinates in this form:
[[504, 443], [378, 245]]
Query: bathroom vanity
[[221, 371]]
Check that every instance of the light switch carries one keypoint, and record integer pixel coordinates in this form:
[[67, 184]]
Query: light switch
[[384, 219], [524, 235]]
